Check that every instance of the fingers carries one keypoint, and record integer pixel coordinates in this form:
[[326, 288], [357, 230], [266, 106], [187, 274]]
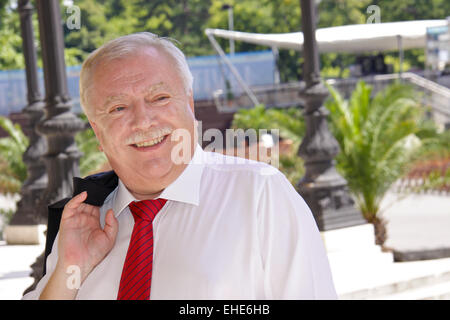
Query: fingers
[[111, 225], [73, 204], [88, 209], [77, 200], [77, 205]]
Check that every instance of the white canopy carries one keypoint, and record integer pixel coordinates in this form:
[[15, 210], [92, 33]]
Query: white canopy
[[350, 38]]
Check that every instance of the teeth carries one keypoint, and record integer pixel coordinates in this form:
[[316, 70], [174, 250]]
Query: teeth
[[150, 143], [141, 137]]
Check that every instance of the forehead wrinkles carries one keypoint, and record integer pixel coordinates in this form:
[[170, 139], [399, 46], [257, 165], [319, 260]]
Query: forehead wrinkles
[[154, 87], [146, 91], [118, 80], [138, 84], [122, 86], [129, 79]]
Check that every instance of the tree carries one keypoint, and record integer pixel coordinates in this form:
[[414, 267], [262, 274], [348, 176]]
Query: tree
[[10, 41], [13, 171], [378, 138], [291, 126], [105, 20], [186, 21], [342, 12]]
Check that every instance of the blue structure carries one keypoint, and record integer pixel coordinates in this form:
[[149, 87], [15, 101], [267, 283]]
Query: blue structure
[[438, 47], [210, 74]]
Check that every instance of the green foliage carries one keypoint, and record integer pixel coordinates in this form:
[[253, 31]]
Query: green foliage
[[395, 62], [288, 121], [436, 180], [6, 216], [255, 118], [434, 152], [13, 171], [412, 9], [291, 126], [436, 146], [10, 40], [262, 16], [336, 13], [378, 138], [186, 21], [93, 159], [292, 166], [105, 20]]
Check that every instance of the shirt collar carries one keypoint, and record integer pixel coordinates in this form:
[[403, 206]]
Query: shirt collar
[[186, 188]]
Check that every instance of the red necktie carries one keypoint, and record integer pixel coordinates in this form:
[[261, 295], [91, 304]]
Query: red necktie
[[136, 277]]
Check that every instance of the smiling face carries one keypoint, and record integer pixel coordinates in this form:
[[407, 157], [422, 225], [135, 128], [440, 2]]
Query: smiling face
[[135, 104]]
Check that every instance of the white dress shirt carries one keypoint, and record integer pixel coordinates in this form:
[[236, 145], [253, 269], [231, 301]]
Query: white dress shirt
[[231, 229]]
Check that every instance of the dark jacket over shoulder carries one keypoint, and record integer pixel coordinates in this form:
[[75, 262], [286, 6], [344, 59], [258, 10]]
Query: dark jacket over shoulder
[[98, 187]]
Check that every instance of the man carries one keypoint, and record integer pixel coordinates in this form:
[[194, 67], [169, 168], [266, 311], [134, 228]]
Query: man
[[181, 223]]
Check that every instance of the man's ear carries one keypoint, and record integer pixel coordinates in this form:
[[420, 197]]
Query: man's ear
[[191, 101], [97, 134]]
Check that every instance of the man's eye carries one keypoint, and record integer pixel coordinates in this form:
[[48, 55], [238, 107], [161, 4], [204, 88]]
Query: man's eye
[[161, 98], [117, 109]]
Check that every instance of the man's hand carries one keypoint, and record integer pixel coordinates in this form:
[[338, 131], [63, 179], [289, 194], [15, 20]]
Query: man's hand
[[82, 243]]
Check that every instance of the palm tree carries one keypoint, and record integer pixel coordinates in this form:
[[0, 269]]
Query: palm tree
[[289, 120], [378, 137], [13, 171]]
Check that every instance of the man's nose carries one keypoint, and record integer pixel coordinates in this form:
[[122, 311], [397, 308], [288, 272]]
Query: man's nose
[[143, 116]]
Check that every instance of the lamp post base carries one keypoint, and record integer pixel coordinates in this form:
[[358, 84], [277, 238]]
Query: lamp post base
[[24, 234], [332, 207], [322, 187]]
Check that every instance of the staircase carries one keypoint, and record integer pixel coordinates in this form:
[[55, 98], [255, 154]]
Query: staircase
[[435, 95], [361, 270], [420, 280], [287, 94]]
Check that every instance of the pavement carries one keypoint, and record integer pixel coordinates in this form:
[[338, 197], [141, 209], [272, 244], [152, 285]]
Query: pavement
[[15, 269], [416, 223]]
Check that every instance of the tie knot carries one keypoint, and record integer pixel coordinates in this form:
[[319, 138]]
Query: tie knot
[[146, 209]]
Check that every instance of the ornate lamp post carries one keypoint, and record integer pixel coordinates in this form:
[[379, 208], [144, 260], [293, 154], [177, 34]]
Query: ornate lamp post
[[322, 187], [27, 223], [60, 125]]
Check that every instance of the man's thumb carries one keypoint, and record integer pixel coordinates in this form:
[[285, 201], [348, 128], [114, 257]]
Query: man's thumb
[[111, 225]]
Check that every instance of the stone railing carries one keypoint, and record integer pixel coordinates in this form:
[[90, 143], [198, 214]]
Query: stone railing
[[287, 94]]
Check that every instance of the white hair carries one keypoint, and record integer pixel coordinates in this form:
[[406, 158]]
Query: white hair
[[127, 46]]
